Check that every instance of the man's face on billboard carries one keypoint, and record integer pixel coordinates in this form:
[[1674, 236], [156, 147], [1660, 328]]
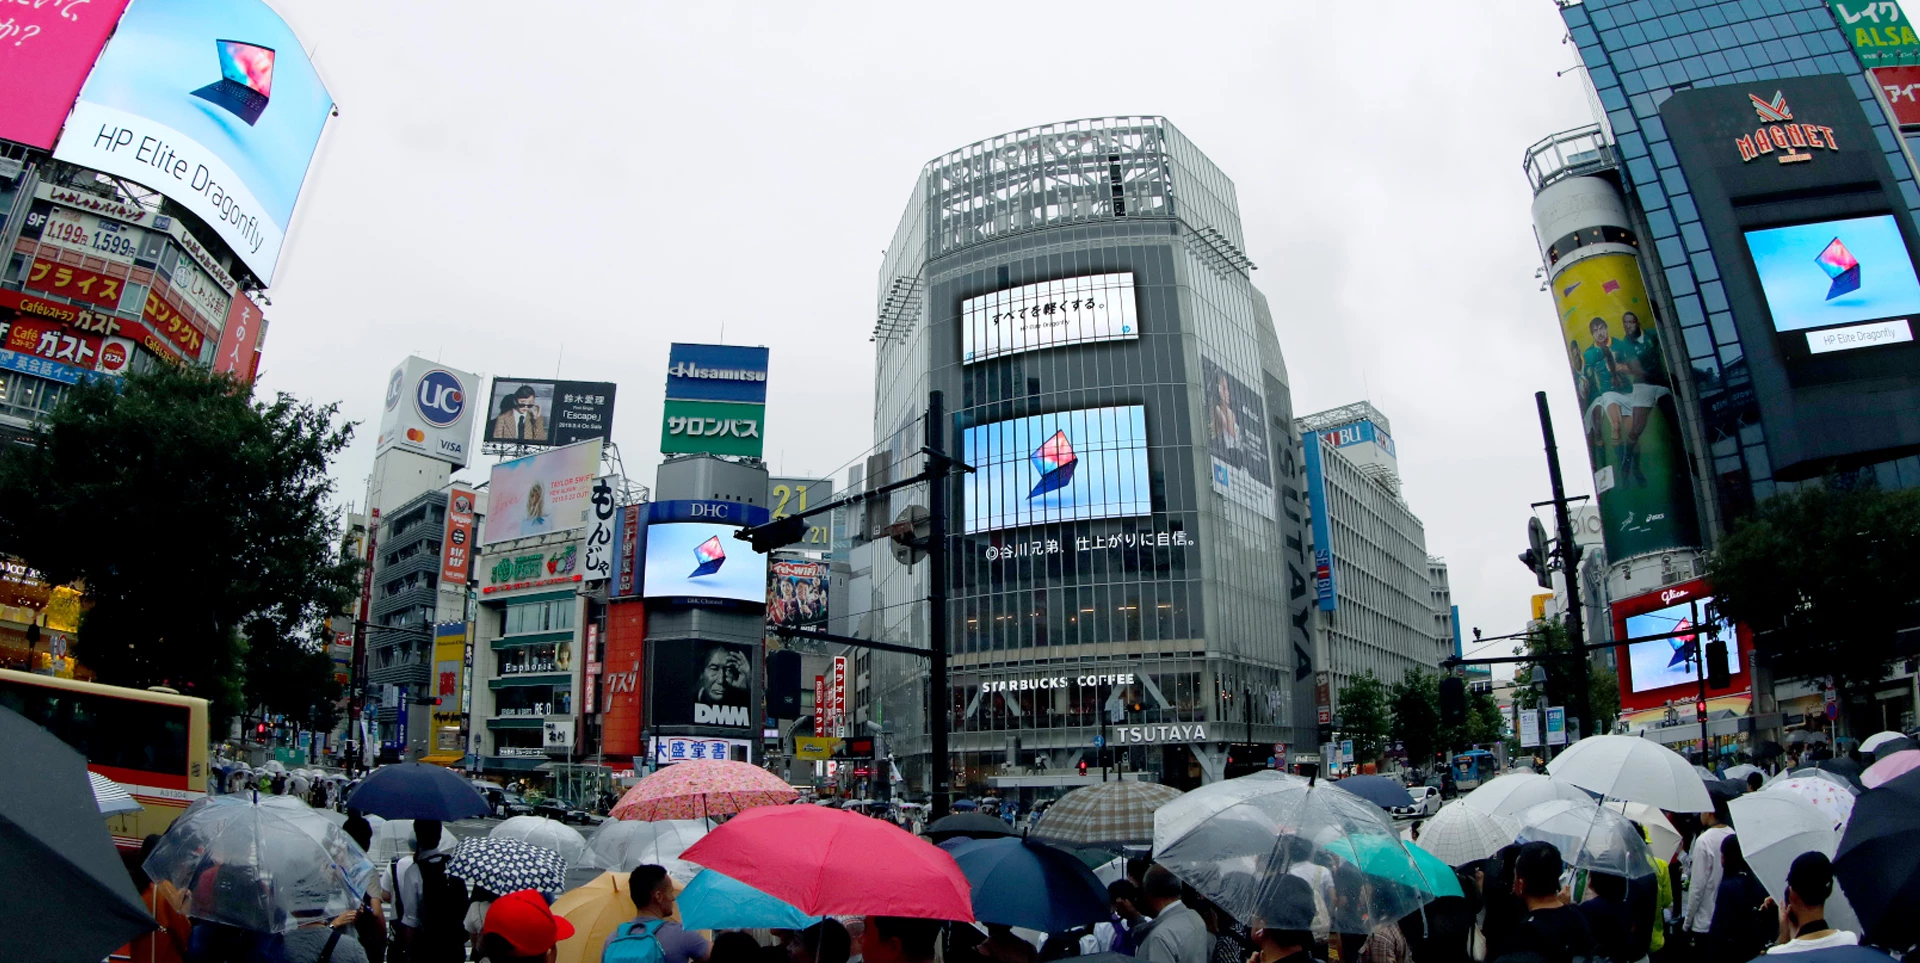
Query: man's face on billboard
[[717, 675]]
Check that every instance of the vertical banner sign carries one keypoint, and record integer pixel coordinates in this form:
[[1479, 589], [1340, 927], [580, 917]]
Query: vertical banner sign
[[1529, 728], [1626, 406], [456, 552], [820, 705], [1323, 697], [839, 720], [1556, 726], [242, 331], [1322, 527], [626, 572], [592, 686], [600, 536]]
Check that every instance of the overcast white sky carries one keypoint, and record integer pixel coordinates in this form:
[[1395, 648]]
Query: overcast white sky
[[525, 189]]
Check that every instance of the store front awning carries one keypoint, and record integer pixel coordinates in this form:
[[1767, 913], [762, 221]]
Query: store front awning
[[1718, 707], [444, 759]]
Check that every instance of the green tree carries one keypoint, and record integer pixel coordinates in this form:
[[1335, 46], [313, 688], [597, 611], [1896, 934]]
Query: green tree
[[1365, 716], [1416, 716], [1827, 577], [1484, 724], [197, 520], [1548, 642]]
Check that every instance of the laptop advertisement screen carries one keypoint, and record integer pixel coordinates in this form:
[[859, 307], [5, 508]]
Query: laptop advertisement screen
[[214, 104], [1849, 283]]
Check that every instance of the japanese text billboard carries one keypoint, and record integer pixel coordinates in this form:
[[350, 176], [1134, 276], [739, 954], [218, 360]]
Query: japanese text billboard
[[796, 593], [449, 668], [1626, 403], [46, 50], [548, 492], [542, 413], [1237, 439], [1049, 314], [713, 427], [238, 337], [1879, 30], [1065, 466], [429, 411], [601, 543], [212, 103], [702, 683]]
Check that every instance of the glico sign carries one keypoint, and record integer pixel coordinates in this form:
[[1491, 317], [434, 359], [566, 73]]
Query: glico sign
[[1782, 133]]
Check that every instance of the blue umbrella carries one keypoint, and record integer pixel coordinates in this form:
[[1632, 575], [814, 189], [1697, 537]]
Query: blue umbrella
[[417, 790], [1019, 882], [716, 902]]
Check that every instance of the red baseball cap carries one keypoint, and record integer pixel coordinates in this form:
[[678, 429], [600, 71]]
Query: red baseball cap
[[526, 922]]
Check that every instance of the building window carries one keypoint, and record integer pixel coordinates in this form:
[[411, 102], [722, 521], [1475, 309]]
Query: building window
[[550, 616]]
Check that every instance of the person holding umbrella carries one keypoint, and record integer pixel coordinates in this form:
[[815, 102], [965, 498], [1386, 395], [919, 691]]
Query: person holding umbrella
[[1704, 870], [1803, 924], [898, 939], [1177, 933], [652, 893], [520, 928], [1284, 928], [1558, 933]]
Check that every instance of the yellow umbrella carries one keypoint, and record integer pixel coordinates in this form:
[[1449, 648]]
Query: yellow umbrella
[[595, 910]]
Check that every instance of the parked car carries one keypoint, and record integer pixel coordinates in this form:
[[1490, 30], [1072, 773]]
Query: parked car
[[506, 803], [553, 807], [1426, 802]]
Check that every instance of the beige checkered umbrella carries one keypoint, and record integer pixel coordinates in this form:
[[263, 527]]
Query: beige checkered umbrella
[[1105, 814]]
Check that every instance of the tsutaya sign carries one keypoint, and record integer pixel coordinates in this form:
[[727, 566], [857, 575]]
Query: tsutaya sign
[[1056, 682], [1176, 732], [1781, 133]]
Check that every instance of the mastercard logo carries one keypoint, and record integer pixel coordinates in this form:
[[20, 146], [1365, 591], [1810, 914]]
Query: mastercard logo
[[415, 434]]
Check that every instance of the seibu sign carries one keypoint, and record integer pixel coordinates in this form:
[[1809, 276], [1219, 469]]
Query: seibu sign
[[1782, 133]]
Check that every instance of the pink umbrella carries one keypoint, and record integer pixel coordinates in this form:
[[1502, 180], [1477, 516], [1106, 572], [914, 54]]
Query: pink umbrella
[[1830, 798], [831, 862], [705, 787], [1904, 761]]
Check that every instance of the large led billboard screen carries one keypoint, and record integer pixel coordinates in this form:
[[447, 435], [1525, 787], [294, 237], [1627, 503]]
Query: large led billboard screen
[[702, 560], [1237, 439], [1839, 272], [1049, 314], [1671, 661], [1060, 467], [212, 103], [538, 412]]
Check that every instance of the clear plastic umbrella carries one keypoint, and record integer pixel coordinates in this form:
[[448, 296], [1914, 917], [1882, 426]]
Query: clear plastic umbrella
[[624, 844], [266, 868], [1515, 793], [393, 838], [1462, 834], [1589, 837], [1237, 841], [544, 833], [1663, 841]]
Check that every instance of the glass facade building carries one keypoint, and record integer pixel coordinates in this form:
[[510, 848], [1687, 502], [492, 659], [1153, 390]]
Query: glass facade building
[[1128, 560], [1639, 53]]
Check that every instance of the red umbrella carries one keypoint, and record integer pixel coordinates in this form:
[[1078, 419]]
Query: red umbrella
[[828, 862]]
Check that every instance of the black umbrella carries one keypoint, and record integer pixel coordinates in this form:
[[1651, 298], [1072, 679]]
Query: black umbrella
[[1020, 882], [972, 825], [418, 790], [1891, 746], [69, 896], [1875, 863], [1844, 767], [1766, 749], [1378, 790]]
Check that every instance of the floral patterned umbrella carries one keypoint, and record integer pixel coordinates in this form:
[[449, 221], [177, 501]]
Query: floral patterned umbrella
[[705, 787], [1830, 798]]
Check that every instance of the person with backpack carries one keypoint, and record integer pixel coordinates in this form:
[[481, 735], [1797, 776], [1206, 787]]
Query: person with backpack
[[651, 937], [520, 928], [431, 905]]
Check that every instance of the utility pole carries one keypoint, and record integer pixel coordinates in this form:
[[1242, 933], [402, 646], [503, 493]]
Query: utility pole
[[1569, 552], [941, 701]]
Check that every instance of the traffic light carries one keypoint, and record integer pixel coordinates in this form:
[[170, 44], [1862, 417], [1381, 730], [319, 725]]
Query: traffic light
[[1700, 711], [1453, 701], [1717, 675], [260, 729], [778, 533], [1083, 767], [1537, 556]]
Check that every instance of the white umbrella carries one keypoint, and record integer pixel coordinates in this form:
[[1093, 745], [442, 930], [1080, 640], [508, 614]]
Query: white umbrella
[[1662, 838], [1826, 775], [1743, 770], [622, 845], [544, 833], [1514, 793], [1831, 799], [1462, 834], [112, 798], [1638, 770], [1775, 828], [1873, 742]]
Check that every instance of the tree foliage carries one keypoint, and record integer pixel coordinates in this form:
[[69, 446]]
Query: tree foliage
[[197, 519], [1827, 576], [1416, 716], [1365, 716], [1548, 642]]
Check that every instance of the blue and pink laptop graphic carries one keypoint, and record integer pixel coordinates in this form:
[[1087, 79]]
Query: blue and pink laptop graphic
[[711, 557], [1055, 461]]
